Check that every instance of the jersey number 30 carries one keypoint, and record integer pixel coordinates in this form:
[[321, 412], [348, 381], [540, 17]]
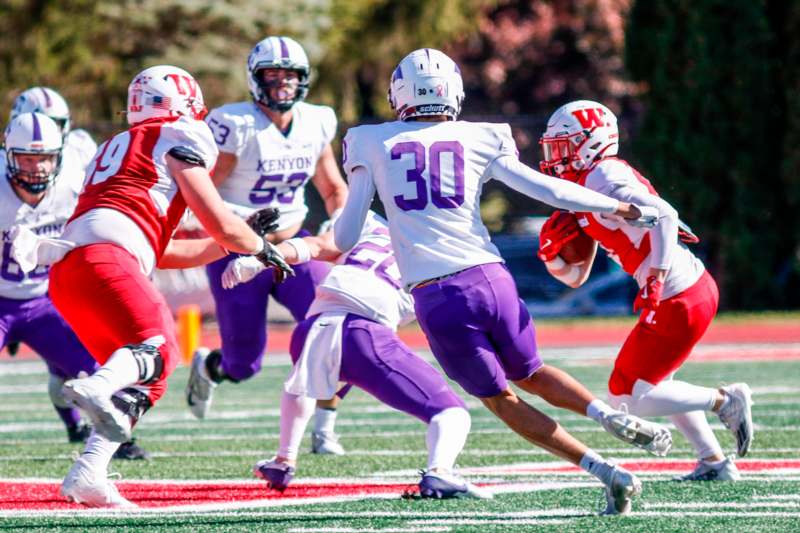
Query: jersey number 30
[[415, 174]]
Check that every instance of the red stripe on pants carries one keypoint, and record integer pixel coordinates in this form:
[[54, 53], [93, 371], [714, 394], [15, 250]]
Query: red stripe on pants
[[103, 295]]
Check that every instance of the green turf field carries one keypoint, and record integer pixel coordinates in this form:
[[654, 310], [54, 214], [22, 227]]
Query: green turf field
[[386, 445]]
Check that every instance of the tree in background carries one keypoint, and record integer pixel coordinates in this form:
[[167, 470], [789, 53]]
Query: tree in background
[[712, 135]]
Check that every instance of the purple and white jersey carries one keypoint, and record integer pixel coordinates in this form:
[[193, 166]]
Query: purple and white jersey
[[272, 168], [46, 219], [78, 144], [366, 281], [429, 176]]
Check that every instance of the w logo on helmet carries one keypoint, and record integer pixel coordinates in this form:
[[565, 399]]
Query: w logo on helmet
[[187, 86], [590, 117]]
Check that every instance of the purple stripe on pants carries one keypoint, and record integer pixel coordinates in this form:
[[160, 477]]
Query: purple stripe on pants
[[479, 329], [242, 311], [376, 360]]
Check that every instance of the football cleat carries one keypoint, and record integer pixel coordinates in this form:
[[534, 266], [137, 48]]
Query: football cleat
[[441, 486], [200, 388], [78, 432], [82, 486], [106, 418], [725, 471], [622, 488], [737, 415], [638, 432], [326, 444], [130, 451], [277, 475]]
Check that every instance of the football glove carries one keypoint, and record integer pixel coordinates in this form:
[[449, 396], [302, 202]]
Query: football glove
[[649, 296], [241, 270], [685, 234], [556, 232], [270, 256], [264, 220], [647, 219]]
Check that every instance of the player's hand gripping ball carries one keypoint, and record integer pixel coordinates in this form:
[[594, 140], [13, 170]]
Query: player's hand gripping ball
[[561, 235]]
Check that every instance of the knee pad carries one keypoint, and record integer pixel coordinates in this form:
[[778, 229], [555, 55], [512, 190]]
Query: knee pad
[[149, 360], [132, 402]]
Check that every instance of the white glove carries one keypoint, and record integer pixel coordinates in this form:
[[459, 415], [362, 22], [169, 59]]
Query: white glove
[[241, 270], [648, 219], [30, 250]]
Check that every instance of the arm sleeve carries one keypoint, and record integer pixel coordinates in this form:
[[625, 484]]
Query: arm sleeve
[[664, 236], [347, 229], [553, 191]]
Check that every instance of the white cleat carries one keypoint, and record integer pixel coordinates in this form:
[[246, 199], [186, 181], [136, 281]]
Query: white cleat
[[725, 471], [624, 486], [200, 387], [326, 444], [737, 415], [82, 486], [649, 436], [93, 398]]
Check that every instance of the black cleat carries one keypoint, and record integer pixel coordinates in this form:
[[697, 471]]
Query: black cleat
[[130, 451], [79, 432]]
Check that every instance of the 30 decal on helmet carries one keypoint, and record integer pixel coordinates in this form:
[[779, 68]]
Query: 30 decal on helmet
[[426, 82], [164, 91], [33, 145], [43, 100], [578, 134], [277, 53]]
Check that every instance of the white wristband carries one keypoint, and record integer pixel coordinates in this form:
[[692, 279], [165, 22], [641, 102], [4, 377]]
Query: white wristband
[[259, 247], [301, 249]]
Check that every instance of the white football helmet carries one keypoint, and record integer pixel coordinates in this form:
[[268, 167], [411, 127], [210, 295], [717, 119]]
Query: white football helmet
[[426, 82], [164, 91], [282, 53], [32, 134], [578, 134], [43, 100]]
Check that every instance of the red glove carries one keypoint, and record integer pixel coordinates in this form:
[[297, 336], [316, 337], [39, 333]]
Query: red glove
[[649, 296], [558, 230]]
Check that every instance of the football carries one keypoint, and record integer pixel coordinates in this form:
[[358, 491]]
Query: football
[[578, 249]]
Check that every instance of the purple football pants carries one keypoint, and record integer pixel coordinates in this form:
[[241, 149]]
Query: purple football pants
[[478, 328], [242, 311], [376, 360]]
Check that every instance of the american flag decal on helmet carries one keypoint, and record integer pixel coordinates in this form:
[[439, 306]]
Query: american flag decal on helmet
[[160, 102]]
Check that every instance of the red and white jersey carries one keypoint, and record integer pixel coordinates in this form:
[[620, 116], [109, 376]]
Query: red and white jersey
[[627, 245], [366, 281], [129, 197], [272, 168]]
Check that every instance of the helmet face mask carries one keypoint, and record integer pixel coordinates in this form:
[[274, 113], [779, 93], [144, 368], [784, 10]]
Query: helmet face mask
[[267, 66], [578, 135], [426, 83], [46, 101], [33, 145], [164, 91]]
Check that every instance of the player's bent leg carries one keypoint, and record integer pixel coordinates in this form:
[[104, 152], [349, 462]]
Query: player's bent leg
[[87, 481]]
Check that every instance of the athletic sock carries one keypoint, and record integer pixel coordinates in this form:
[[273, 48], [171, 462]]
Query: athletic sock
[[325, 420], [446, 436], [598, 409], [694, 426], [594, 464], [98, 453], [120, 371], [295, 412]]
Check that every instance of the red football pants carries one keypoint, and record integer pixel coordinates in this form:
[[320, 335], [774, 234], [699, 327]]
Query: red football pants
[[108, 302], [661, 341]]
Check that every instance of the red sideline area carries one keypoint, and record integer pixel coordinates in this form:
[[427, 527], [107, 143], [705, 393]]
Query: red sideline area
[[574, 334], [43, 496]]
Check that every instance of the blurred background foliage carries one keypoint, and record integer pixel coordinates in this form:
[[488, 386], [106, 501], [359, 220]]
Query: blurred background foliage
[[707, 91]]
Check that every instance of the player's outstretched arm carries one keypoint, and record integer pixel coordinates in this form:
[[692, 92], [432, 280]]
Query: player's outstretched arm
[[226, 162], [189, 253], [347, 229], [561, 193]]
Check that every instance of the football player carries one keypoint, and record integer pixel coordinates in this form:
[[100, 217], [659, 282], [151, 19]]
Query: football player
[[270, 148], [428, 169], [134, 195], [79, 147], [350, 336], [40, 192], [677, 298]]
